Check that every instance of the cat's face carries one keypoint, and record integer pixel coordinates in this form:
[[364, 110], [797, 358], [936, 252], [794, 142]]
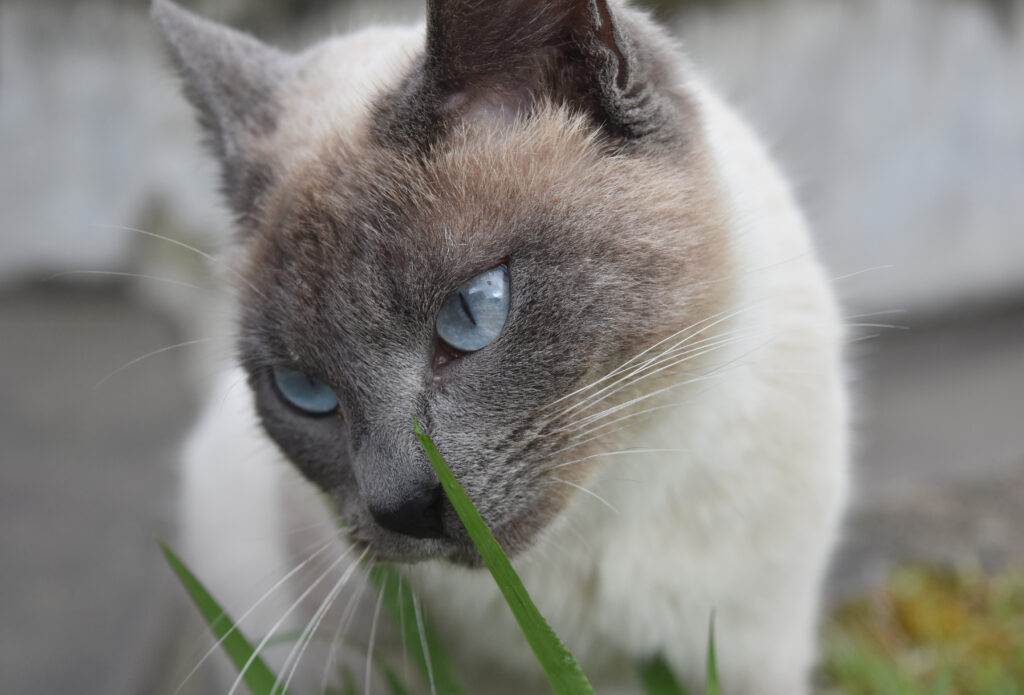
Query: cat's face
[[605, 241]]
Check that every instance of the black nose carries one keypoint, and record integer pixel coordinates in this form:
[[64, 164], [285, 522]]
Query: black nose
[[419, 515]]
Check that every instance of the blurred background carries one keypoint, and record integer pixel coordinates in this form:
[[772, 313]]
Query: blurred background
[[900, 122]]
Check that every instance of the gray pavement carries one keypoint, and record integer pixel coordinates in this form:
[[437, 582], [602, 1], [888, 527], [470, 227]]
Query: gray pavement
[[86, 486], [86, 476]]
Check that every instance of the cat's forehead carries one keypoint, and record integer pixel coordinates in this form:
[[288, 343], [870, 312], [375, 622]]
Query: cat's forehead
[[378, 239], [481, 188]]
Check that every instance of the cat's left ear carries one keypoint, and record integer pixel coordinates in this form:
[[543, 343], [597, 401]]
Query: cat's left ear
[[597, 56], [234, 82]]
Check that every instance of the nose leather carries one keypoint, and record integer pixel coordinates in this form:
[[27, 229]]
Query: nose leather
[[418, 515]]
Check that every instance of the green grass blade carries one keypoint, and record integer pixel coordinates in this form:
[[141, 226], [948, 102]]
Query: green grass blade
[[711, 669], [561, 669], [657, 678], [258, 677], [399, 603]]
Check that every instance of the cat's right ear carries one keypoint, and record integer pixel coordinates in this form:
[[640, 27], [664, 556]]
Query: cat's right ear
[[234, 82]]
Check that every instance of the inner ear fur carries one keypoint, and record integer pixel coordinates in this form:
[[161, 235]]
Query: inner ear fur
[[503, 56]]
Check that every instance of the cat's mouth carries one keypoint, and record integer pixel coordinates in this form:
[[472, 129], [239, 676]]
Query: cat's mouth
[[454, 545], [387, 546], [384, 545]]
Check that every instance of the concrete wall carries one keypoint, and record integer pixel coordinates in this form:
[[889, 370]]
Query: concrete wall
[[900, 122]]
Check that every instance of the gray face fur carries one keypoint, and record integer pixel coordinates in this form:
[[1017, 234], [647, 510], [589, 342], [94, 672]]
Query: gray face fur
[[565, 148]]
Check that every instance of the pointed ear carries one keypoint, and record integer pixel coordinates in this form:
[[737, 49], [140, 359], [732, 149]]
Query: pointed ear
[[503, 56], [234, 82]]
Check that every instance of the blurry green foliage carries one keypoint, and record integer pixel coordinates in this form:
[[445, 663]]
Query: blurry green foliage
[[930, 631]]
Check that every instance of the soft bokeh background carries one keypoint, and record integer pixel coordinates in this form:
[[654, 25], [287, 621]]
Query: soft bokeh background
[[901, 123]]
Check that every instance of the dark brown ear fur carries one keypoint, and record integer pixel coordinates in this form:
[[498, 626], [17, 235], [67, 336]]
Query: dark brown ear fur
[[498, 59]]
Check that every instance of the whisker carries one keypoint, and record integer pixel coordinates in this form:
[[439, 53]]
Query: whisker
[[628, 416], [252, 608], [343, 625], [862, 272], [275, 626], [373, 634], [579, 536], [897, 327], [120, 274], [307, 635], [703, 377], [673, 361], [591, 439], [188, 247], [886, 312], [630, 361], [589, 492], [715, 319], [402, 584], [229, 389], [673, 352], [147, 355], [161, 237], [624, 452], [585, 421]]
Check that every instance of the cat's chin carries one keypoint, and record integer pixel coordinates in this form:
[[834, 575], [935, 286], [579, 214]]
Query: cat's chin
[[412, 550]]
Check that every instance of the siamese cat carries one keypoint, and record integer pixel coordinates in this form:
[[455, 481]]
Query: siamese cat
[[531, 225]]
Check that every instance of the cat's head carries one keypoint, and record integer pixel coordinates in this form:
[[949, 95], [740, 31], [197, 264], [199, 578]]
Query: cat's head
[[469, 228]]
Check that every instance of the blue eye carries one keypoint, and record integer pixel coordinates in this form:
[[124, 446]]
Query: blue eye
[[476, 313], [305, 392]]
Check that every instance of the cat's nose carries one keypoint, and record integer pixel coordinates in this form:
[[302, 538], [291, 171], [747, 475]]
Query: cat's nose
[[418, 515]]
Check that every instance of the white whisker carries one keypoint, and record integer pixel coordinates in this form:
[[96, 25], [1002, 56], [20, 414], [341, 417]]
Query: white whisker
[[343, 625], [628, 416], [188, 247], [117, 273], [862, 272], [672, 353], [886, 312], [624, 452], [161, 237], [585, 421], [147, 355], [591, 439], [252, 608], [878, 325], [703, 377], [673, 361], [401, 625], [373, 635], [579, 536], [630, 361], [275, 626], [307, 635], [589, 492]]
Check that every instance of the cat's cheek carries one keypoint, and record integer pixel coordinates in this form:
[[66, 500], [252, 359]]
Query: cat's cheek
[[317, 446]]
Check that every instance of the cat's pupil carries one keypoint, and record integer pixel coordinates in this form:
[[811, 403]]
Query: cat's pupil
[[475, 314]]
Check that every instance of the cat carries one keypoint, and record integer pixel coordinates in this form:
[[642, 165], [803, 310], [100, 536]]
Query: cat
[[534, 227]]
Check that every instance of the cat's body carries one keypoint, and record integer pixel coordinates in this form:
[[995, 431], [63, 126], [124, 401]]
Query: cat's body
[[730, 499]]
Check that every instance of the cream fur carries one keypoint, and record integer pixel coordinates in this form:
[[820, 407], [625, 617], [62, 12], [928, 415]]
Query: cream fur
[[741, 523]]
